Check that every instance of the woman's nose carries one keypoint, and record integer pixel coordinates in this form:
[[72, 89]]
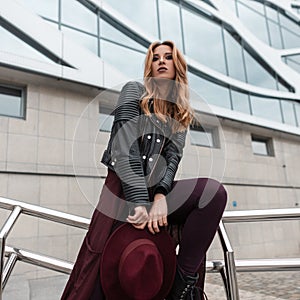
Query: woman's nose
[[161, 60]]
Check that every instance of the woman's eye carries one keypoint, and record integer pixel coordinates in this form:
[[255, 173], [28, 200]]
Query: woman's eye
[[169, 57], [155, 58]]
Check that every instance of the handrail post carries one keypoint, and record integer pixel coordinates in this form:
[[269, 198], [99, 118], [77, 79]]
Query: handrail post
[[11, 261], [6, 228], [232, 285]]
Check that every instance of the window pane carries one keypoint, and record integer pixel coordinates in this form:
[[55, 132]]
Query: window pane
[[288, 112], [12, 44], [294, 62], [290, 39], [120, 57], [234, 57], [105, 122], [10, 102], [297, 109], [256, 74], [275, 35], [143, 13], [85, 40], [170, 22], [111, 33], [254, 5], [45, 8], [260, 147], [272, 14], [240, 102], [78, 16], [266, 108], [255, 22], [288, 23], [203, 137], [201, 35], [209, 91]]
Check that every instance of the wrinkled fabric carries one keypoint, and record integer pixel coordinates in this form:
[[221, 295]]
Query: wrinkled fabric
[[84, 278]]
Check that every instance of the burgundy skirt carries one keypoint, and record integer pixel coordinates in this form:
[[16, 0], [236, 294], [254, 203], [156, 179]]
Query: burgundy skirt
[[84, 281]]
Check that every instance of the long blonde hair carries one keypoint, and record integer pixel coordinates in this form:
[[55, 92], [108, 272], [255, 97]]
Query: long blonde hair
[[178, 108]]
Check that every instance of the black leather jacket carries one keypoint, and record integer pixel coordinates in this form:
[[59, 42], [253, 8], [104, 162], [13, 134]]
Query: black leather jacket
[[142, 150]]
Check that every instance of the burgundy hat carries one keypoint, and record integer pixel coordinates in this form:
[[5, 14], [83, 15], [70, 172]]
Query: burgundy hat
[[137, 265]]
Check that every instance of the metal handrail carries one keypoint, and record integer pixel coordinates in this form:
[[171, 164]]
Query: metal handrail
[[258, 215], [45, 213], [230, 264]]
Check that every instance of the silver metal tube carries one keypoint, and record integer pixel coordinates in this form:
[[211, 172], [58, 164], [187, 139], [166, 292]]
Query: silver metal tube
[[231, 279], [12, 259], [41, 260], [46, 213], [265, 265], [231, 276], [261, 215], [6, 228]]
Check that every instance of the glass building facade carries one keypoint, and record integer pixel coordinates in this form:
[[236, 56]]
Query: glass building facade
[[239, 78]]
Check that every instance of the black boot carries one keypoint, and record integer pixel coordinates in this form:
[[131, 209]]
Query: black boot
[[183, 286]]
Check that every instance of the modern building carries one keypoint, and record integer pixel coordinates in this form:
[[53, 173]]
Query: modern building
[[62, 64]]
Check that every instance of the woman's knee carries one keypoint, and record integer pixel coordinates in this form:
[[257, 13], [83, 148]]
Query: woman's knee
[[214, 193]]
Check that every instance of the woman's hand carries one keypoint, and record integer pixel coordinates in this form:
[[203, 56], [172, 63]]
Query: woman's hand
[[158, 213], [140, 217]]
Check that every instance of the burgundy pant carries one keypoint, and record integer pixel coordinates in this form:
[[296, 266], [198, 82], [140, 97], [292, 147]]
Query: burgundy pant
[[198, 205]]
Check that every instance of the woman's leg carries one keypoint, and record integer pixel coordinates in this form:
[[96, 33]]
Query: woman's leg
[[203, 202]]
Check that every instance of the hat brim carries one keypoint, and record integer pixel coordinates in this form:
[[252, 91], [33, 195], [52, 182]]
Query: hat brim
[[112, 252]]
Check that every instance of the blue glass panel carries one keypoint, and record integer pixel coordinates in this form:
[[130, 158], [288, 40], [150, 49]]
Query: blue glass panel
[[170, 22], [234, 58], [290, 39], [128, 62], [288, 112], [210, 92], [203, 41], [10, 105], [275, 35], [143, 13], [202, 137], [77, 15], [294, 62], [297, 110], [266, 108], [111, 33], [83, 39], [257, 75], [254, 5], [288, 23], [272, 14], [105, 122], [260, 147], [254, 21], [240, 102]]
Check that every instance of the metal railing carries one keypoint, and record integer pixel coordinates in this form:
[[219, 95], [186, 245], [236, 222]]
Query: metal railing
[[227, 268]]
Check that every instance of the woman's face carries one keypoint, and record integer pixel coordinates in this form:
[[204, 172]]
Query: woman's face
[[162, 63]]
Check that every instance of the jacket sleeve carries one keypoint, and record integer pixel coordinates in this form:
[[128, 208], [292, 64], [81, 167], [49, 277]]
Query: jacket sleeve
[[172, 152], [125, 150]]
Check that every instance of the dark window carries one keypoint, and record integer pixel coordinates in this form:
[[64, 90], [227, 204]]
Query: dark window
[[11, 101], [262, 145]]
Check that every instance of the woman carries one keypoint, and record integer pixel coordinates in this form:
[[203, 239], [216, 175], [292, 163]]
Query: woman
[[142, 156]]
